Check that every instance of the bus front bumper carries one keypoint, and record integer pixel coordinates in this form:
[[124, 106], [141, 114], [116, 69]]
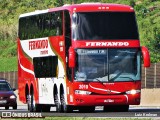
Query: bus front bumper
[[101, 100]]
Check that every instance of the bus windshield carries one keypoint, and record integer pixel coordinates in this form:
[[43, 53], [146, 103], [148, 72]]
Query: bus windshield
[[104, 25], [107, 65]]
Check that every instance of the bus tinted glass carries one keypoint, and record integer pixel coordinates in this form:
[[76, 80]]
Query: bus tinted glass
[[41, 25], [104, 25], [45, 67], [108, 65]]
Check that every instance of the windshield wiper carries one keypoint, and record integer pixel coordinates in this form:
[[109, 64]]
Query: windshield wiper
[[112, 79], [128, 77], [99, 81]]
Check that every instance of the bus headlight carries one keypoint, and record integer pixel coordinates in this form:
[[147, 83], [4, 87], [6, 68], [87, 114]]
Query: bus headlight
[[133, 92], [82, 92]]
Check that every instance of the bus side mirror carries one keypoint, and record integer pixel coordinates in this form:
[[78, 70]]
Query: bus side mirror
[[146, 56], [71, 57]]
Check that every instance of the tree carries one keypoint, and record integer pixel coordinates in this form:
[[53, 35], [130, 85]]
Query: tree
[[58, 3]]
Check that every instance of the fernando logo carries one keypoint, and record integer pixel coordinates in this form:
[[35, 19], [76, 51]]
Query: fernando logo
[[107, 44]]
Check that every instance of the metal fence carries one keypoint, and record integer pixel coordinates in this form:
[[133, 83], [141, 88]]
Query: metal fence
[[11, 78], [150, 76]]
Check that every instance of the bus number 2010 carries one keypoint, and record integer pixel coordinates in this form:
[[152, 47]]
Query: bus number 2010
[[83, 86]]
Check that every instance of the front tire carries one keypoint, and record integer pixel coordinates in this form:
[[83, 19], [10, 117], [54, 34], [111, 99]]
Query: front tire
[[125, 108], [86, 109], [110, 108], [46, 108], [116, 108]]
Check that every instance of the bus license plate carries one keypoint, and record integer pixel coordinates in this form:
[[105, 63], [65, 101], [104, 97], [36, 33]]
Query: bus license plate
[[109, 101]]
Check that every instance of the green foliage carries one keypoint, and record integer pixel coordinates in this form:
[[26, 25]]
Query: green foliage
[[8, 64], [148, 17], [8, 49], [147, 12], [8, 55]]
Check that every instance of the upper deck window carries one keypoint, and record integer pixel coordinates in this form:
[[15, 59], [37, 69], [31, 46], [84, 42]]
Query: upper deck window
[[41, 25], [104, 25]]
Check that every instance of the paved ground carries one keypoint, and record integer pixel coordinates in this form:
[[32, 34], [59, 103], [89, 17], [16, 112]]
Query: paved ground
[[135, 112], [18, 101], [150, 100], [150, 97]]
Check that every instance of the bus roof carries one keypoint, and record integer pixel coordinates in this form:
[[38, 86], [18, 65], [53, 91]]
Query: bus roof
[[36, 12], [85, 7], [89, 7]]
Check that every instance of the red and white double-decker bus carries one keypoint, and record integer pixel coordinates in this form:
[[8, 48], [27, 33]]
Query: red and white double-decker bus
[[80, 56]]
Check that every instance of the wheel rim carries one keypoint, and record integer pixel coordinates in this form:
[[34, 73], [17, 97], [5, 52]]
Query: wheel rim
[[32, 103], [58, 107], [29, 102], [64, 107]]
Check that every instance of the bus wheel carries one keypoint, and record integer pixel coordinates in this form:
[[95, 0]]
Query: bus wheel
[[87, 109], [29, 102], [65, 108], [46, 108], [111, 108], [32, 104], [125, 108], [57, 103], [116, 108], [38, 108]]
